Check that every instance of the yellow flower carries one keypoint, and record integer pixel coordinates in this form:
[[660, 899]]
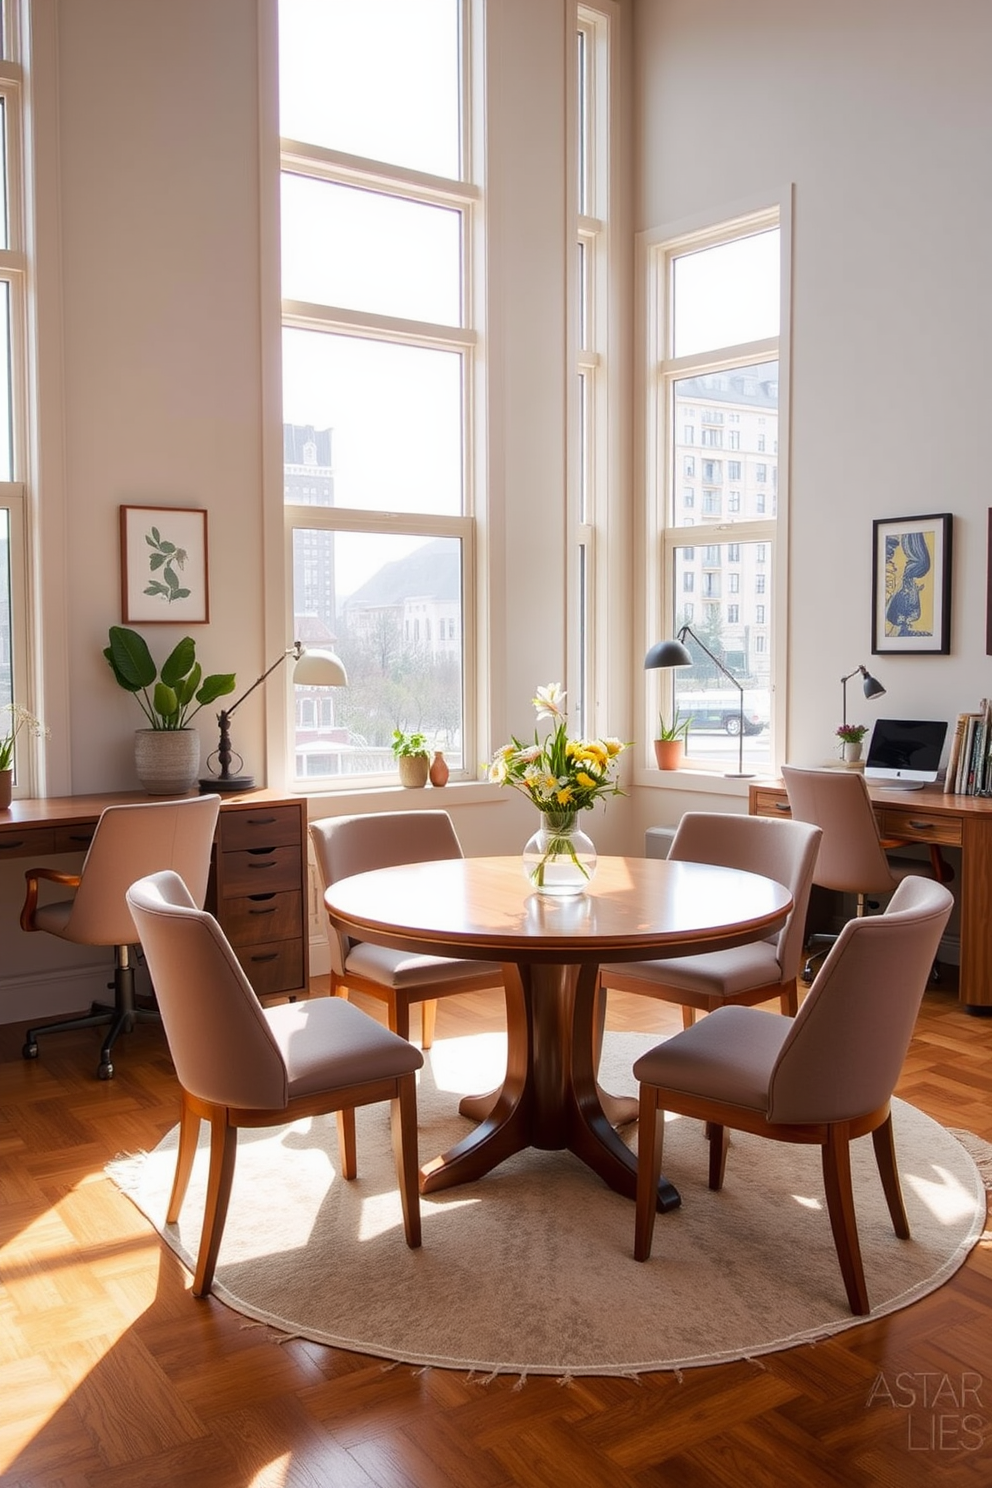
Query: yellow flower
[[586, 781], [564, 796]]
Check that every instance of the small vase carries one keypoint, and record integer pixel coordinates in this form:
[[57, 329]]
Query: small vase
[[439, 769], [559, 858], [852, 751], [167, 760], [6, 788]]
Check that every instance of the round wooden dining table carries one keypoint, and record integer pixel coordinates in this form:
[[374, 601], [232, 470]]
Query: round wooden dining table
[[635, 909]]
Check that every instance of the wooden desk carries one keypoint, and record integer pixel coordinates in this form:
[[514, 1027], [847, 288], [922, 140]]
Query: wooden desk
[[550, 950], [928, 816], [258, 871]]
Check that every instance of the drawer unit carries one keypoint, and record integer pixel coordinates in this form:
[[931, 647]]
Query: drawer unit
[[27, 842], [769, 802], [918, 826], [258, 890]]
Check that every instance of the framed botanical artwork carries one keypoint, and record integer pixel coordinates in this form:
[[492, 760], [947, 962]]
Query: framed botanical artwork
[[164, 566], [911, 585]]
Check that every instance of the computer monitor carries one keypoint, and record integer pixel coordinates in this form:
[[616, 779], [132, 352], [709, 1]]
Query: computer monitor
[[904, 753]]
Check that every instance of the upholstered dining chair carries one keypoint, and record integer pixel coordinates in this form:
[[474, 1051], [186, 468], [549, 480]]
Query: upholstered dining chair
[[853, 857], [129, 842], [747, 974], [825, 1076], [345, 845], [242, 1065]]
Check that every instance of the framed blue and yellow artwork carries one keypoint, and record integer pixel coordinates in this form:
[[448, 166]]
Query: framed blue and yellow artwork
[[911, 585]]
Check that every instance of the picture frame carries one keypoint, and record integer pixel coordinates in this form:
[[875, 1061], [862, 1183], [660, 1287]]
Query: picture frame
[[164, 573], [911, 585]]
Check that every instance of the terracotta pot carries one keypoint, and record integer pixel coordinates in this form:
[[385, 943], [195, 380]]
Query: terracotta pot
[[413, 770], [669, 753]]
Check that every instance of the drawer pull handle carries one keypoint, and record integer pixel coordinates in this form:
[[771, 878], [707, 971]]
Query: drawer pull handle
[[269, 863], [781, 806], [12, 846], [269, 909], [84, 837], [272, 956], [920, 826], [260, 821]]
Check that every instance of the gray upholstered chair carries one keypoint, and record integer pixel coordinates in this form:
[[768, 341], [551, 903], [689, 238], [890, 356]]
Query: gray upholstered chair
[[345, 845], [129, 842], [853, 857], [747, 974], [825, 1076], [242, 1065]]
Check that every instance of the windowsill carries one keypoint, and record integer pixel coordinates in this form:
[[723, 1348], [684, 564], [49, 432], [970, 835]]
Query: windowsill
[[706, 782], [399, 797]]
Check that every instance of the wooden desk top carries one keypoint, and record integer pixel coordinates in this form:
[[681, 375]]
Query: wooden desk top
[[64, 811], [481, 908], [931, 799]]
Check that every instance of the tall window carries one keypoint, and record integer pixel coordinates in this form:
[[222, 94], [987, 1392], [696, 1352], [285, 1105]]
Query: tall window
[[715, 347], [16, 680], [377, 221], [588, 479]]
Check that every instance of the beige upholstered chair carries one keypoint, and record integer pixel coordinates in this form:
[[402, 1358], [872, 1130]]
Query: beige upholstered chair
[[747, 974], [853, 857], [345, 845], [242, 1065], [825, 1076], [129, 842]]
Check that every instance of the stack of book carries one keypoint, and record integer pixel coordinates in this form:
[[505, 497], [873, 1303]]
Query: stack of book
[[969, 764]]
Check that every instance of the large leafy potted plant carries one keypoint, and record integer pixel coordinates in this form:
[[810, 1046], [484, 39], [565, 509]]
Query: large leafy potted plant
[[167, 752]]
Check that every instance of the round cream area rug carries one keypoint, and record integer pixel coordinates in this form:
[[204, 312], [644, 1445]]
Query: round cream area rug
[[531, 1269]]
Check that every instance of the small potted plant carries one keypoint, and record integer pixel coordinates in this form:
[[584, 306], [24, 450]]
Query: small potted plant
[[167, 752], [412, 757], [851, 736], [669, 742], [19, 718]]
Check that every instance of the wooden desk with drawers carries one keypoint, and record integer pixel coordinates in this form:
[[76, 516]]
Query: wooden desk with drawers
[[928, 816], [258, 871]]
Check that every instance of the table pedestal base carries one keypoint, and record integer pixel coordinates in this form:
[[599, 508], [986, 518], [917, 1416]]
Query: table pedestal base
[[549, 1097]]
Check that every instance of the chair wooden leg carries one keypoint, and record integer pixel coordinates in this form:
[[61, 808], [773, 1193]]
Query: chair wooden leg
[[347, 1148], [403, 1120], [428, 1018], [719, 1142], [836, 1152], [223, 1151], [399, 1017], [189, 1132], [688, 1016], [885, 1157], [788, 1000], [650, 1149]]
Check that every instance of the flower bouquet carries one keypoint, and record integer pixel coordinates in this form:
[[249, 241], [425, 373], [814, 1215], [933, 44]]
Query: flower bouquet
[[561, 776]]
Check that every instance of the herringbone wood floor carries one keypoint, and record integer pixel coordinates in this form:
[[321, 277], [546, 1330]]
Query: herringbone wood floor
[[112, 1376]]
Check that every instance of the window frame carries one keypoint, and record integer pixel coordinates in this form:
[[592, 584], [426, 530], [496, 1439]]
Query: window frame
[[463, 340], [659, 370]]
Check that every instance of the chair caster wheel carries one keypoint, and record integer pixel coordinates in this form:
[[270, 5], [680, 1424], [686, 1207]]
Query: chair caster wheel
[[30, 1051], [106, 1071]]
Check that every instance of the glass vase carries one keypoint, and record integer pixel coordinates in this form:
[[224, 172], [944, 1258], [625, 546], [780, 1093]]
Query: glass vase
[[559, 859]]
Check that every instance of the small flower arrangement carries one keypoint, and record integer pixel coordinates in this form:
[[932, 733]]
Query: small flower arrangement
[[851, 733], [20, 718], [560, 775]]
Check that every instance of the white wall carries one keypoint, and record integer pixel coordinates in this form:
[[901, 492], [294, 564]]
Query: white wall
[[881, 116]]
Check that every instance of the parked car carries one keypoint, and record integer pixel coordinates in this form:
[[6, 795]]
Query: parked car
[[712, 712]]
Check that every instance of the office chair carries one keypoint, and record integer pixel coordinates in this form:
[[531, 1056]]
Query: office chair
[[825, 1076], [345, 845], [242, 1065], [129, 842], [853, 857], [747, 974]]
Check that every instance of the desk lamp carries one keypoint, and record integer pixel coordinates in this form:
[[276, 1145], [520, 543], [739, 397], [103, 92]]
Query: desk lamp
[[311, 669], [872, 689], [676, 654]]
